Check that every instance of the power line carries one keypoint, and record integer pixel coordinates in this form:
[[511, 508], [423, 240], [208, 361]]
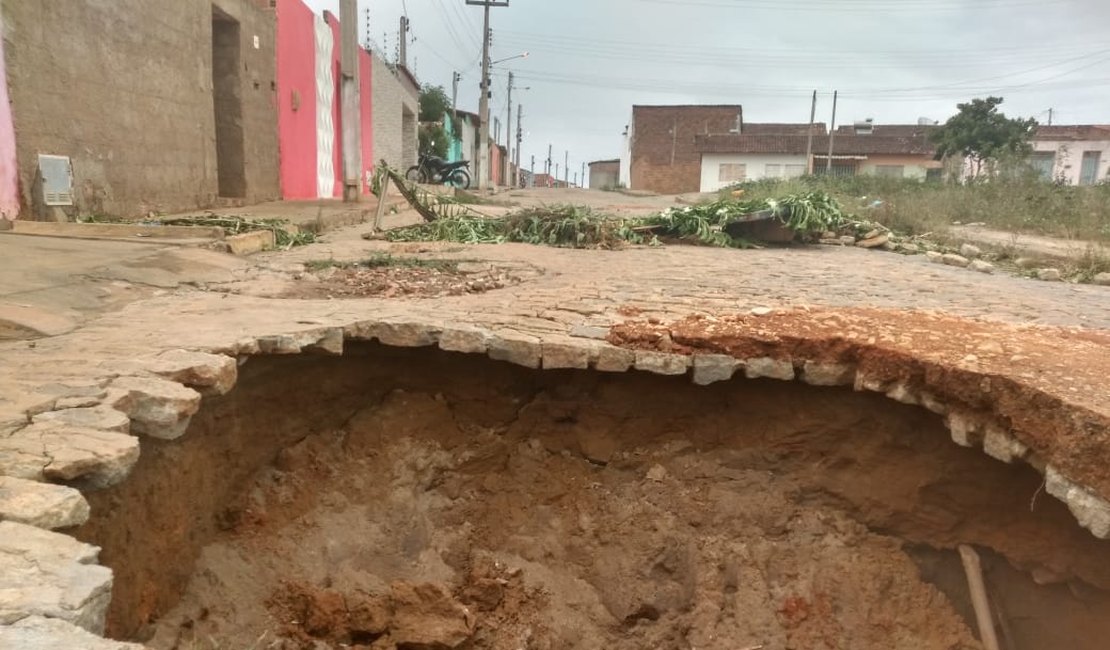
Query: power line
[[857, 6]]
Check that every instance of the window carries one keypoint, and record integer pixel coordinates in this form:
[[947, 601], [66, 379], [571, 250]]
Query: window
[[934, 175], [732, 172], [1088, 172], [1043, 163], [890, 171], [795, 171], [773, 171]]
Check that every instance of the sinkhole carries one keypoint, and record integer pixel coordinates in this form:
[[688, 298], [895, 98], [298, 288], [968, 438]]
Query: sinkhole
[[420, 499]]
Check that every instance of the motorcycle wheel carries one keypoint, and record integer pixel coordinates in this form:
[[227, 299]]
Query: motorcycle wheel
[[416, 175], [460, 179]]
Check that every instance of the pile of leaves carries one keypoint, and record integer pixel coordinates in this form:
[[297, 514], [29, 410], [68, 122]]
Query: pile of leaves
[[578, 227]]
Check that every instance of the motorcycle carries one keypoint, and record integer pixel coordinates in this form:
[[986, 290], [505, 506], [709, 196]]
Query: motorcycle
[[433, 169]]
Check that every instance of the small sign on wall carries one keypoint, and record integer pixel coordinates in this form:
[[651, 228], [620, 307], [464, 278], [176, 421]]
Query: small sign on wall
[[257, 42]]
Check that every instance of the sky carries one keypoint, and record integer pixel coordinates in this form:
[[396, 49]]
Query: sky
[[894, 61]]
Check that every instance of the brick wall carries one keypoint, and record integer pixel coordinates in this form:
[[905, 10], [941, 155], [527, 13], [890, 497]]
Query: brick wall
[[125, 88], [663, 156], [394, 116]]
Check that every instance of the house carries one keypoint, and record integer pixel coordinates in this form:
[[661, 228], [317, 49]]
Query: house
[[660, 144], [131, 108], [1077, 154], [779, 151], [605, 174]]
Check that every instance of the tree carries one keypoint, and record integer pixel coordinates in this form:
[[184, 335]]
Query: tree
[[981, 133], [434, 106]]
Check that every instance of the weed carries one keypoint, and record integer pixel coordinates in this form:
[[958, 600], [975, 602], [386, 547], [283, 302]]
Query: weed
[[386, 260]]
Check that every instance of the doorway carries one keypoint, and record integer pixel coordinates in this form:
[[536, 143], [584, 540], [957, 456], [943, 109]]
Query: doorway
[[227, 97]]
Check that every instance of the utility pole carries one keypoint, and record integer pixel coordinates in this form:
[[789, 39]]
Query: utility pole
[[520, 137], [832, 136], [403, 42], [566, 169], [556, 174], [576, 179], [532, 181], [809, 140], [583, 174], [507, 163], [547, 169], [1050, 111], [482, 168], [455, 77], [350, 115]]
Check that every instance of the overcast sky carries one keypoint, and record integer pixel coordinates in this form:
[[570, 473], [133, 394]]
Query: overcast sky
[[891, 60]]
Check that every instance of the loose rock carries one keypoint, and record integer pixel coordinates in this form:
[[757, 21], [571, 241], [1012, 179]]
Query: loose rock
[[1102, 279], [873, 242], [951, 259], [970, 251], [981, 266], [934, 257], [1050, 275], [41, 504]]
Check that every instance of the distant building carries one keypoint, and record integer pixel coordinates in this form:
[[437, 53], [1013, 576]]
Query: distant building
[[1077, 154], [660, 141], [605, 174]]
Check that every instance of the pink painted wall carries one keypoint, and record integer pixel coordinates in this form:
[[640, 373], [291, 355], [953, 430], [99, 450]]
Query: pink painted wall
[[296, 72], [9, 170], [365, 66]]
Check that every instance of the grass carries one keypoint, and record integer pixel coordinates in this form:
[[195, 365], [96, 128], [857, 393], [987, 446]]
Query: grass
[[386, 260], [914, 207]]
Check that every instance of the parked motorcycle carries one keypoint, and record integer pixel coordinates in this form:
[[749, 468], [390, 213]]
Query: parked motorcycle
[[433, 169]]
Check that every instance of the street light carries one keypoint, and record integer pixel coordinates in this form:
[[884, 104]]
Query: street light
[[523, 55]]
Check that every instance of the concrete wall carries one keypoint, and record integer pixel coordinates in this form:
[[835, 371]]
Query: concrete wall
[[605, 174], [1069, 158], [9, 167], [915, 167], [626, 155], [755, 167], [393, 142], [125, 88]]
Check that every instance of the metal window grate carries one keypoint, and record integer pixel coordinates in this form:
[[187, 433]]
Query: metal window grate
[[57, 180]]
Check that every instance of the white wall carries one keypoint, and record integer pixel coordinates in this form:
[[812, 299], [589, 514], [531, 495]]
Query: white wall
[[1069, 157], [756, 166]]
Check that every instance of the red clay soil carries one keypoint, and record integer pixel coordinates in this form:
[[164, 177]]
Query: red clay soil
[[1049, 385]]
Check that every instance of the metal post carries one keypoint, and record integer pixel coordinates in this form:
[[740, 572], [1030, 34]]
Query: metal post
[[350, 97], [566, 169], [507, 163], [519, 135]]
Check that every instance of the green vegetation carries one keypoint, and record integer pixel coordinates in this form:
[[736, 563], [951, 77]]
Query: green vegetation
[[1024, 205], [434, 105], [979, 132], [285, 235], [579, 227]]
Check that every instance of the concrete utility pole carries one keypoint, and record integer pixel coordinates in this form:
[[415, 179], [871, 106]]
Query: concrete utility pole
[[809, 140], [350, 114], [519, 136], [507, 163], [832, 136], [403, 42], [583, 175], [482, 169], [455, 77], [566, 169], [547, 169]]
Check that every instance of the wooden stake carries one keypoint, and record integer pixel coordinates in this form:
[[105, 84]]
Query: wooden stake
[[974, 570]]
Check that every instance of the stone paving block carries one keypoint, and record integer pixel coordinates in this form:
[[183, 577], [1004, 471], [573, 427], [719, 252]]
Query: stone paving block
[[406, 335], [249, 243], [1092, 512], [209, 373], [521, 349], [328, 341], [104, 418], [765, 367], [613, 359], [39, 633], [53, 575], [41, 504], [589, 332], [158, 408], [25, 322], [712, 368], [51, 452], [661, 363], [566, 355], [816, 373], [467, 340]]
